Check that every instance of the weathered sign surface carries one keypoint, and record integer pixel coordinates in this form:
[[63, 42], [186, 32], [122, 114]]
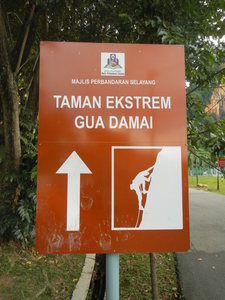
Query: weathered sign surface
[[112, 151]]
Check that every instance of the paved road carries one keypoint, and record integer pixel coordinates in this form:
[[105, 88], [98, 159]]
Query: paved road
[[202, 269]]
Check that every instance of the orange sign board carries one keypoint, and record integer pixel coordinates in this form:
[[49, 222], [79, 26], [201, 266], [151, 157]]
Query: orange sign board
[[112, 150]]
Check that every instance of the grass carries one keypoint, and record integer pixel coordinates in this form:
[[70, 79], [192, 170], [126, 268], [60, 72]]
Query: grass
[[27, 275], [210, 181], [135, 283]]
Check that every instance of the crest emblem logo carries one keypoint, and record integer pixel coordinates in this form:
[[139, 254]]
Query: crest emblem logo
[[112, 64]]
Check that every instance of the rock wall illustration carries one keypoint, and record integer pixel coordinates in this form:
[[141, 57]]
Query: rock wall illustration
[[126, 211]]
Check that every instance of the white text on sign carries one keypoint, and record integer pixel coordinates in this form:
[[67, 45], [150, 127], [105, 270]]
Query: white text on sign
[[113, 103]]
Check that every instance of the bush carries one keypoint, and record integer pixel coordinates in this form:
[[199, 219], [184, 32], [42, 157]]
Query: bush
[[18, 189]]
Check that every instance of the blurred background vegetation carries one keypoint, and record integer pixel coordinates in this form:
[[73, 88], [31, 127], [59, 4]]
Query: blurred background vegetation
[[198, 25]]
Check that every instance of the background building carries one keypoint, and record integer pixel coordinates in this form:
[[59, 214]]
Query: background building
[[217, 102]]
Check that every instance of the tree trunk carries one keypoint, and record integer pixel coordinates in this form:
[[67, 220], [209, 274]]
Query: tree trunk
[[154, 283], [196, 166], [10, 103], [218, 181], [24, 40], [32, 102], [99, 277], [23, 44]]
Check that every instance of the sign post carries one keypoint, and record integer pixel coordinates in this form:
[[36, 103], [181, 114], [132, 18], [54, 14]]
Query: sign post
[[112, 149], [112, 276]]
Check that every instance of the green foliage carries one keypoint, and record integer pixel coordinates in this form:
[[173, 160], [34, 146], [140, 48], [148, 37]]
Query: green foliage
[[194, 24], [206, 133], [18, 190]]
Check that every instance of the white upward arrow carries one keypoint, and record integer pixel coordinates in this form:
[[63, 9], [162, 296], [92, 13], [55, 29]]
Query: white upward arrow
[[73, 167]]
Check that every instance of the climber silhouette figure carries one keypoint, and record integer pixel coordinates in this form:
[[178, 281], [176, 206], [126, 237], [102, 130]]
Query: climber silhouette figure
[[139, 185]]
